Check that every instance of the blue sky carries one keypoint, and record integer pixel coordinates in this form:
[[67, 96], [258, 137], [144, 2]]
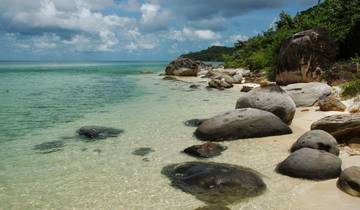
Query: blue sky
[[130, 29]]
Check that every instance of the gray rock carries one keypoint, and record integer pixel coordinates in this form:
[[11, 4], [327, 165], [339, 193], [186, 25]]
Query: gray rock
[[241, 124], [93, 133], [220, 84], [194, 122], [349, 181], [270, 98], [307, 94], [343, 127], [184, 67], [143, 151], [215, 183], [311, 164], [317, 139]]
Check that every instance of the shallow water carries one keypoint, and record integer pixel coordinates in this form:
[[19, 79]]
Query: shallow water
[[106, 174]]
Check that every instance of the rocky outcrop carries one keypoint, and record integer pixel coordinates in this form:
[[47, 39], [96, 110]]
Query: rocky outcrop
[[207, 150], [307, 94], [342, 127], [219, 84], [311, 164], [241, 124], [269, 98], [331, 103], [304, 56], [317, 139], [225, 78], [349, 181], [92, 133], [184, 67], [215, 183]]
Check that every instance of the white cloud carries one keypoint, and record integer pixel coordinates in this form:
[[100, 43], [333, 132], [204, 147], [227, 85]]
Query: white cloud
[[200, 34], [238, 37]]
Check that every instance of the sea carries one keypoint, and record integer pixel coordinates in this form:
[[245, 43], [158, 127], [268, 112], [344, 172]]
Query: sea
[[45, 165]]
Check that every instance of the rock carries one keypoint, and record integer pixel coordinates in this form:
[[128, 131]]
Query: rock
[[146, 72], [246, 89], [343, 127], [354, 106], [349, 181], [207, 150], [98, 132], [311, 164], [241, 124], [49, 147], [269, 98], [330, 103], [307, 94], [184, 67], [354, 144], [143, 151], [219, 84], [213, 207], [215, 183], [194, 122], [168, 77], [317, 139], [303, 56], [194, 86]]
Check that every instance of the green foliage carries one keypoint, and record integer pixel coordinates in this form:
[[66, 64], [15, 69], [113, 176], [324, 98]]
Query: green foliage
[[355, 59], [351, 89], [214, 53], [340, 17]]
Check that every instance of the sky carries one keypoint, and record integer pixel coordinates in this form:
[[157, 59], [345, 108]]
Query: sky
[[131, 29]]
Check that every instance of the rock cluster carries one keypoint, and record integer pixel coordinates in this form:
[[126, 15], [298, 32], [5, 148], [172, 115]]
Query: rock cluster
[[185, 67]]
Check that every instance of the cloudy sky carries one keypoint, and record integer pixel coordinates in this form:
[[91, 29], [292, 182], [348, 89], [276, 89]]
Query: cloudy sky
[[130, 29]]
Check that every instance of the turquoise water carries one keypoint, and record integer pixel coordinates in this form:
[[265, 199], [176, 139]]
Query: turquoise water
[[48, 102], [37, 96]]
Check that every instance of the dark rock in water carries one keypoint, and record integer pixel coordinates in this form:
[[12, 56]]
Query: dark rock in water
[[206, 150], [93, 133], [311, 164], [215, 183], [194, 86], [97, 151], [246, 89], [49, 147], [317, 139], [241, 124], [213, 207], [342, 127], [349, 181], [143, 151], [271, 98], [194, 122]]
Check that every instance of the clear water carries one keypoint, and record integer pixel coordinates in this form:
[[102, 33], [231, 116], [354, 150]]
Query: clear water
[[49, 102]]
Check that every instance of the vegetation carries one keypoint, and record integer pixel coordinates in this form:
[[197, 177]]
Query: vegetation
[[214, 53], [351, 88], [340, 17]]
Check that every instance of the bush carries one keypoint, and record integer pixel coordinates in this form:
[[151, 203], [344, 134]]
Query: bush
[[351, 89]]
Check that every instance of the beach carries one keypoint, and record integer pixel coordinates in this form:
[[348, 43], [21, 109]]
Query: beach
[[106, 174]]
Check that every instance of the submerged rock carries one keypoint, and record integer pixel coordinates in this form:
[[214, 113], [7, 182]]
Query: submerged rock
[[246, 89], [349, 181], [307, 94], [241, 124], [215, 183], [311, 164], [98, 132], [49, 147], [194, 122], [331, 103], [206, 150], [269, 98], [213, 207], [343, 127], [143, 151], [317, 139]]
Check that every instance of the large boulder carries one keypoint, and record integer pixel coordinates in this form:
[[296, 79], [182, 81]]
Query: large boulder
[[349, 181], [307, 94], [215, 183], [317, 139], [304, 56], [270, 98], [219, 84], [207, 150], [241, 124], [343, 127], [184, 67], [331, 103], [311, 164]]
